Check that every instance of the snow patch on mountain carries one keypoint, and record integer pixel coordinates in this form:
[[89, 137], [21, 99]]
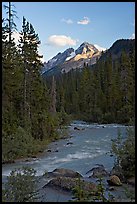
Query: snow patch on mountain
[[100, 48], [73, 54], [72, 59]]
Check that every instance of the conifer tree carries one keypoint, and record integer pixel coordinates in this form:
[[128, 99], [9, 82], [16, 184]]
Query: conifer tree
[[31, 64], [10, 58], [53, 96], [11, 24]]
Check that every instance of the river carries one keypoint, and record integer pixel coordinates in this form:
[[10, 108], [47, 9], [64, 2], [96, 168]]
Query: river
[[88, 145], [82, 151]]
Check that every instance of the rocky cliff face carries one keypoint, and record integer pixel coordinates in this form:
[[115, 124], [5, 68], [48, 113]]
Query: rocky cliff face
[[71, 59], [58, 59], [85, 54]]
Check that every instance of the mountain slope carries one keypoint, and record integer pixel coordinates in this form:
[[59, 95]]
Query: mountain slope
[[127, 45], [57, 60], [72, 59], [85, 54]]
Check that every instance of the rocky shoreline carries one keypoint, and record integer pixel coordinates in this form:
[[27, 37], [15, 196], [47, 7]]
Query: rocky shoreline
[[58, 184], [65, 180]]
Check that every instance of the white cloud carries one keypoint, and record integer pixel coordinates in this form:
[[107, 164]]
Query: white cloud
[[68, 21], [100, 48], [132, 36], [85, 21], [61, 40]]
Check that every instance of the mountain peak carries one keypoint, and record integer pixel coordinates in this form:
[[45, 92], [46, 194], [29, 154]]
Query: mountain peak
[[72, 59], [86, 47], [85, 44]]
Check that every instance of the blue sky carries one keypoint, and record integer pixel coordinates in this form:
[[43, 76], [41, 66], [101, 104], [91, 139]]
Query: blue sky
[[61, 25]]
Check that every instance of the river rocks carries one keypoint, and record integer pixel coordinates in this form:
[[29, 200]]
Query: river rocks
[[68, 184], [49, 150], [114, 181], [98, 171], [67, 180], [69, 143], [64, 173], [111, 189], [116, 170], [77, 128], [33, 156]]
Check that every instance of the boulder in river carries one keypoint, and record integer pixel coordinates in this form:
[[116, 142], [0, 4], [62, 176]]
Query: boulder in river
[[33, 156], [69, 143], [114, 181], [62, 172], [49, 150], [98, 171], [116, 170], [68, 184], [77, 128]]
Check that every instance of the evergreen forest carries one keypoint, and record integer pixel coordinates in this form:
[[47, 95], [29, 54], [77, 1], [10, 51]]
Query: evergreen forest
[[29, 118], [104, 92], [34, 107]]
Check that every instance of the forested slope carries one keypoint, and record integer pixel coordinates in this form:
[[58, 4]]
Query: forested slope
[[104, 92]]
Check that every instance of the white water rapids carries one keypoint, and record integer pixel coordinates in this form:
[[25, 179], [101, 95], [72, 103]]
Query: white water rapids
[[82, 151]]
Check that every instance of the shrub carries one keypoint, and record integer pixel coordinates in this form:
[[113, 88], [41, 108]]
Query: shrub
[[125, 152], [108, 118], [64, 118], [21, 186], [81, 195], [16, 145]]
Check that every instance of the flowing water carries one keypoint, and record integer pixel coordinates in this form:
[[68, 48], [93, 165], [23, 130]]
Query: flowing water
[[83, 150], [88, 145]]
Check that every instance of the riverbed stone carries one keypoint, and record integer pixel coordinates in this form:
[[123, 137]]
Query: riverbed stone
[[111, 188], [117, 170], [114, 181], [76, 128], [68, 184], [69, 143], [62, 172], [98, 172], [49, 150]]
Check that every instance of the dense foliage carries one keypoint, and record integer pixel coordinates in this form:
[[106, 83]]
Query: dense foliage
[[125, 153], [81, 195], [28, 116], [20, 186]]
